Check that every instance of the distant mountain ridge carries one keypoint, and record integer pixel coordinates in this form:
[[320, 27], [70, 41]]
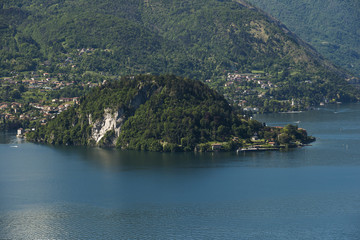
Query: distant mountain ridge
[[203, 39], [332, 27]]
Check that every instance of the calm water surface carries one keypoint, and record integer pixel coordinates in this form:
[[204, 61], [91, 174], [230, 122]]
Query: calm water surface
[[77, 193]]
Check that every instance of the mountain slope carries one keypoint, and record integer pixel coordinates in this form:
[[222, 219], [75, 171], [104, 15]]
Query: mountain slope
[[203, 39], [332, 27]]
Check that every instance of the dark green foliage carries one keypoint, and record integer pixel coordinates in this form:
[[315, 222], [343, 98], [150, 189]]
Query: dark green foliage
[[182, 112], [68, 92], [108, 138], [69, 128]]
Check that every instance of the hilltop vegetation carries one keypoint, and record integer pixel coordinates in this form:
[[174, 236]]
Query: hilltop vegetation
[[83, 43], [332, 27], [151, 113]]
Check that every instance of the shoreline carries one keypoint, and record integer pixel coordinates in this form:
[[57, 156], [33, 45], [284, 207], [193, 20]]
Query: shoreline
[[258, 149]]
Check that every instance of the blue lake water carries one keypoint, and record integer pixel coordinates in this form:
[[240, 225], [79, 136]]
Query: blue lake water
[[78, 193]]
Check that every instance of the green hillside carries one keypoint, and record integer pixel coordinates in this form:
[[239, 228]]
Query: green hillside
[[332, 27], [158, 113], [85, 42]]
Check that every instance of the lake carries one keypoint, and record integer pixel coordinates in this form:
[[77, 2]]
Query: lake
[[91, 193]]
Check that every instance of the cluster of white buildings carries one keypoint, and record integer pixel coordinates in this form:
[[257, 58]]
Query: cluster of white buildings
[[233, 78]]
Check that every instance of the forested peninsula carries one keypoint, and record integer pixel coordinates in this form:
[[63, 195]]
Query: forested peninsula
[[161, 113]]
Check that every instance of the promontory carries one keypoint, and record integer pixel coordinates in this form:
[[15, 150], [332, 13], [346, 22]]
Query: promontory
[[160, 113]]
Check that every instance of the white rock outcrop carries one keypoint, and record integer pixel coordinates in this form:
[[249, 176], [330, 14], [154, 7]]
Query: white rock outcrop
[[114, 119], [111, 121]]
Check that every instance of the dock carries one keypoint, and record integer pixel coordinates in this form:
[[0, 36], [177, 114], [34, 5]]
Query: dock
[[256, 149]]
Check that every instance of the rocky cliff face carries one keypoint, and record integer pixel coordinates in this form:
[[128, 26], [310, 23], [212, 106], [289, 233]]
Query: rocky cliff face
[[114, 119]]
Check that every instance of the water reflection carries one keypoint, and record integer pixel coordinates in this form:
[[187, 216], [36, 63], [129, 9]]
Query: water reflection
[[118, 160], [115, 160], [9, 137]]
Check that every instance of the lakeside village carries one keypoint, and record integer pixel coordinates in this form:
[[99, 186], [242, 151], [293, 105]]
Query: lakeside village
[[243, 88], [257, 93], [27, 98], [248, 84], [30, 99]]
